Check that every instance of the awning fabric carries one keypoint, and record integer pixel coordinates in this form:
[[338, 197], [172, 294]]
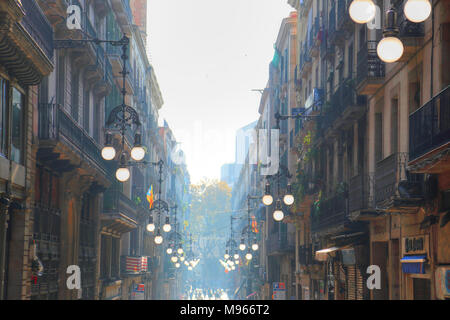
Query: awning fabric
[[322, 255], [414, 264]]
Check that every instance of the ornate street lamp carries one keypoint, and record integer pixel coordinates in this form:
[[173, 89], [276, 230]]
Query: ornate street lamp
[[390, 48], [121, 117], [417, 10], [362, 11]]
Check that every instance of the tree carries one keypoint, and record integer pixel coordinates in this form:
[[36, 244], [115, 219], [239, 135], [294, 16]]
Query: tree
[[210, 214]]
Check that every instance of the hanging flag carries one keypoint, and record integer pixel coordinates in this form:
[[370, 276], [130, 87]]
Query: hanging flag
[[150, 196], [254, 225]]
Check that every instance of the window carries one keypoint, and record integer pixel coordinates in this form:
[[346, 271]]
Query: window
[[17, 127]]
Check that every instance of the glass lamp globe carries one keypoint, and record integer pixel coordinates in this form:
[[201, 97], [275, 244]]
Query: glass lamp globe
[[190, 268], [278, 215], [417, 10], [177, 265], [288, 199], [182, 258], [248, 256], [362, 11], [226, 256], [180, 250], [169, 250], [390, 49], [137, 153], [186, 263], [242, 247], [255, 247], [151, 227], [167, 227], [174, 259], [236, 256], [231, 263], [158, 239], [123, 174], [236, 262], [233, 267], [267, 200], [108, 153]]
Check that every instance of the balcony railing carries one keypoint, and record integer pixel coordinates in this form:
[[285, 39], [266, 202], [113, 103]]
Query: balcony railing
[[407, 28], [56, 124], [332, 21], [429, 126], [331, 213], [343, 15], [369, 66], [38, 26], [360, 192], [115, 201], [344, 98]]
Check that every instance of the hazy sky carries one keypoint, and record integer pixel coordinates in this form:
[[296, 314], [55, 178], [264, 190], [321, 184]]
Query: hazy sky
[[208, 55]]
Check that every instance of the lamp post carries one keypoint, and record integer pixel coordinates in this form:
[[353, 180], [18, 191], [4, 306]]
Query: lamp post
[[283, 171], [390, 49], [121, 117], [159, 206]]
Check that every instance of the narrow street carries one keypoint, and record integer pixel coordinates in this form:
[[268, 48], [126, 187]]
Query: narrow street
[[224, 150]]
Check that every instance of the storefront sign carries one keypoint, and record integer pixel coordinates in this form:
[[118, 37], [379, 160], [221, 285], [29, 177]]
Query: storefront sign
[[138, 292], [415, 245]]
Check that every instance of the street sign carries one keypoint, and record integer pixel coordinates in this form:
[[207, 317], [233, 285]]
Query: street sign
[[138, 292], [279, 291]]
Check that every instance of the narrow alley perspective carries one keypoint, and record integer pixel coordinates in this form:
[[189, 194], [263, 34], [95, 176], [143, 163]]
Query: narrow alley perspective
[[240, 150]]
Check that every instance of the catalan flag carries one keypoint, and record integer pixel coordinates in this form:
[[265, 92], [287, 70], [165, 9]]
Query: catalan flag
[[150, 196], [254, 225]]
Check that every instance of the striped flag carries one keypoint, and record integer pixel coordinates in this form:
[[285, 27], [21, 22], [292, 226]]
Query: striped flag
[[150, 196]]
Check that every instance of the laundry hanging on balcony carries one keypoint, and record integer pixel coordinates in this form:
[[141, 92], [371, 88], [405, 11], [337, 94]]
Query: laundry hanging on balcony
[[414, 264]]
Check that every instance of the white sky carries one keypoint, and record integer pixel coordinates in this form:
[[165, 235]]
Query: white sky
[[208, 55]]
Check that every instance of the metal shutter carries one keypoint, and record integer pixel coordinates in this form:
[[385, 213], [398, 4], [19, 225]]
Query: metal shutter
[[351, 282]]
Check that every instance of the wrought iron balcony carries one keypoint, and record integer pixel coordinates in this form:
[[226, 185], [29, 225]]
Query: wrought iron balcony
[[279, 243], [117, 203], [389, 172], [305, 62], [429, 126], [314, 38], [360, 192], [344, 21], [407, 28], [370, 70], [345, 105], [38, 27], [56, 126], [331, 214]]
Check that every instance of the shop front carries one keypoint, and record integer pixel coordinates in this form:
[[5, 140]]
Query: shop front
[[416, 267]]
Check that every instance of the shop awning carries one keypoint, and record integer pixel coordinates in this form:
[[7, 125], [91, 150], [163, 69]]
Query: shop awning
[[322, 255], [414, 264]]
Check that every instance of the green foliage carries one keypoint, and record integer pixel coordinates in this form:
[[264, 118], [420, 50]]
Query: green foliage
[[211, 203]]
